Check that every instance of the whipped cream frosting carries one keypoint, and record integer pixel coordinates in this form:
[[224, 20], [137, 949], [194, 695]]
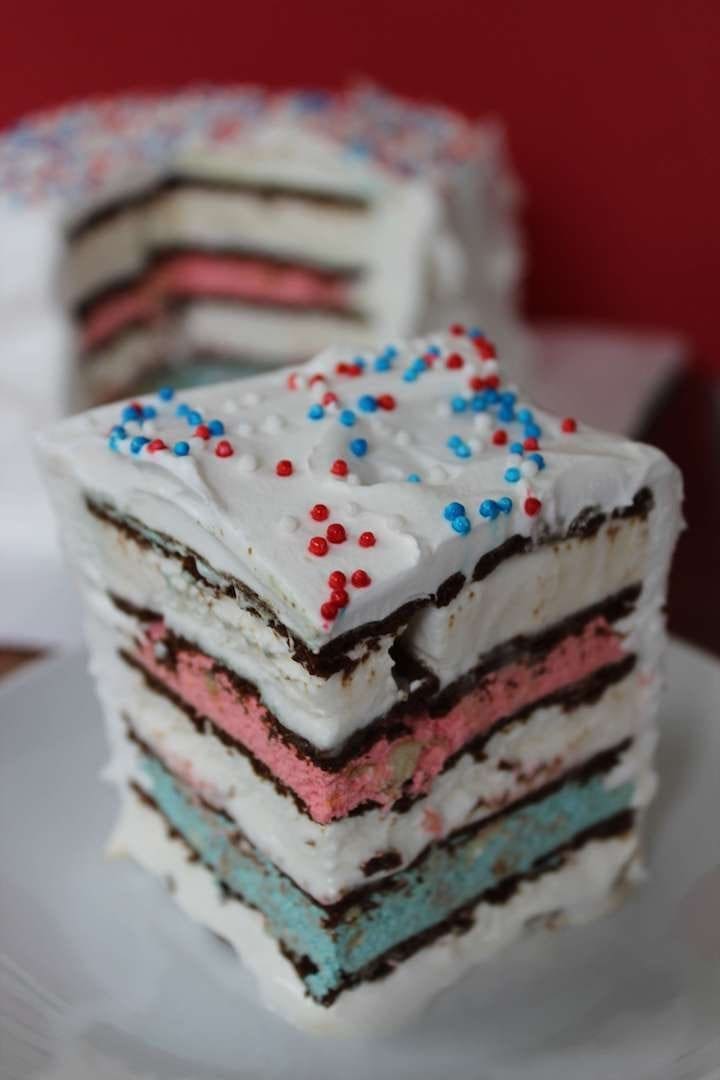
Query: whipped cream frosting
[[423, 459]]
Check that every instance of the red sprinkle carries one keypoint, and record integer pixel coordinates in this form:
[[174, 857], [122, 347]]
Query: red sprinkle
[[136, 406], [492, 381], [475, 382], [366, 539], [156, 444], [319, 512], [336, 534], [292, 380], [342, 368], [316, 379], [569, 425], [224, 449], [532, 506], [337, 580], [454, 361], [457, 329], [284, 467], [329, 398], [340, 598], [360, 579], [328, 610], [339, 467], [530, 443], [203, 431], [499, 437], [386, 401], [318, 545], [486, 350], [429, 359], [354, 370]]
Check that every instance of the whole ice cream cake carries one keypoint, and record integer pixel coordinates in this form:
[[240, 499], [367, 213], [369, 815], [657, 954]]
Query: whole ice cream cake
[[378, 646]]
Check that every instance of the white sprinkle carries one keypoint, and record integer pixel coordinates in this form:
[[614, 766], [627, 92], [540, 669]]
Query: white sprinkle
[[351, 509], [247, 463], [288, 523], [443, 410], [516, 461], [380, 427], [243, 428], [482, 423], [250, 398], [230, 407], [402, 438], [436, 474], [529, 468], [353, 479], [160, 649], [272, 424], [475, 444], [395, 521], [489, 367]]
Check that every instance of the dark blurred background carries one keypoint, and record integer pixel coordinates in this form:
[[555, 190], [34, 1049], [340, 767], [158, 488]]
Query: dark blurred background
[[611, 111]]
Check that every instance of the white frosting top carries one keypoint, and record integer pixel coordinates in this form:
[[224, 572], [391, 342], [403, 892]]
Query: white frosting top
[[419, 427]]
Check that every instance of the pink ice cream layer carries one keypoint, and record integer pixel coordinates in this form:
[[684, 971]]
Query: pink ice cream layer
[[212, 275], [391, 767]]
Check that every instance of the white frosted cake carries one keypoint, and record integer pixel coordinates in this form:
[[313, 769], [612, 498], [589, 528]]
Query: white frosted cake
[[379, 649], [235, 229]]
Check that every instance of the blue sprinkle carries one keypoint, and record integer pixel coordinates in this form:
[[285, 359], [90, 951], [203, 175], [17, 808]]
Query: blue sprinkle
[[491, 396], [488, 508], [453, 442], [166, 393], [505, 503], [315, 412], [182, 409], [461, 525], [130, 413], [137, 444], [359, 447], [182, 449], [113, 441], [413, 478], [538, 459], [462, 451], [118, 432], [516, 448], [359, 362], [458, 404], [512, 475], [506, 413], [525, 416], [532, 431], [410, 375], [476, 332], [367, 403], [419, 364], [391, 352], [383, 363], [434, 350], [478, 403], [453, 510], [194, 417], [347, 417], [508, 397], [149, 412], [216, 427]]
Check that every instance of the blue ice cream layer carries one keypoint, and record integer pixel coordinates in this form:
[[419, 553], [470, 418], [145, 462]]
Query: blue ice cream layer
[[452, 874]]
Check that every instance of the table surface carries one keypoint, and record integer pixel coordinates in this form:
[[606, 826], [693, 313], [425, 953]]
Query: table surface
[[686, 425]]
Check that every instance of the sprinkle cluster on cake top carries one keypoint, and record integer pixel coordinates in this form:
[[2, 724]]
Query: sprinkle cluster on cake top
[[76, 153], [343, 487]]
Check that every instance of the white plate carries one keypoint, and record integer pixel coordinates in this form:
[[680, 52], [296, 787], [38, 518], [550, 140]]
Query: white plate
[[101, 977]]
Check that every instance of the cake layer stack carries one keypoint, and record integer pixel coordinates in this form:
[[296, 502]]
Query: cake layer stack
[[379, 648]]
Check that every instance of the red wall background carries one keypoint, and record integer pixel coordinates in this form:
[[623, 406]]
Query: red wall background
[[612, 109]]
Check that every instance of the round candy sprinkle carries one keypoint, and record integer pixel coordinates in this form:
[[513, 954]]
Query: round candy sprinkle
[[328, 610], [499, 437], [366, 539], [458, 404], [478, 403], [457, 329], [118, 432], [288, 524], [532, 506], [454, 361], [359, 447], [512, 475], [342, 368], [461, 525], [530, 443], [508, 397], [181, 449], [224, 449], [202, 431], [505, 503], [529, 468], [336, 533], [284, 467], [216, 427], [194, 418], [475, 332], [360, 579], [410, 375], [413, 478], [182, 409], [319, 512], [515, 448], [339, 467], [367, 403], [355, 369], [462, 450], [347, 417], [316, 378], [506, 414], [337, 580], [569, 425], [292, 380], [131, 412], [137, 444], [539, 460], [453, 510], [453, 441], [166, 393], [149, 412], [315, 412], [340, 598], [329, 398], [382, 363], [489, 509], [485, 349], [155, 445], [387, 402], [318, 545], [533, 431]]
